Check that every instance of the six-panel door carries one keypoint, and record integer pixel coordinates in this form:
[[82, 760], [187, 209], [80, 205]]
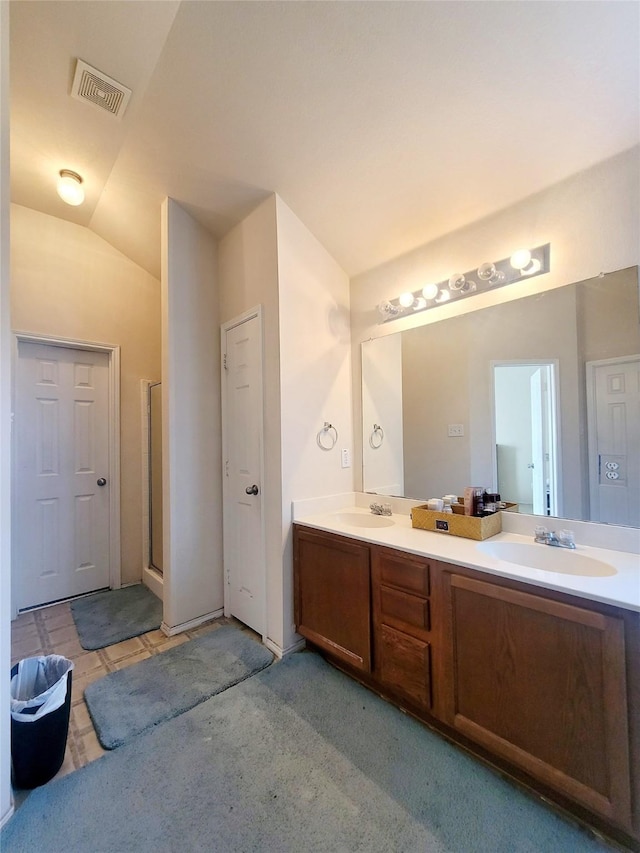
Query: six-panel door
[[61, 500]]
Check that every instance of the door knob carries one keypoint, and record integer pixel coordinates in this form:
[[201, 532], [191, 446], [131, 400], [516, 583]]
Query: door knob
[[252, 490], [101, 481]]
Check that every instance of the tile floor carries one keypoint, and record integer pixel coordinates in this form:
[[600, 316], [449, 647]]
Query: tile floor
[[51, 630]]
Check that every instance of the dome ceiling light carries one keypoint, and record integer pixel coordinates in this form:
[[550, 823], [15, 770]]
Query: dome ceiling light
[[70, 187]]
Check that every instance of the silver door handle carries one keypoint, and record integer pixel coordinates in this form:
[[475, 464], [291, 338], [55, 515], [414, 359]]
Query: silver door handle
[[101, 481], [252, 490]]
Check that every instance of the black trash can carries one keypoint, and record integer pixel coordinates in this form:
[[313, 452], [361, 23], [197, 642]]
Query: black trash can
[[40, 709]]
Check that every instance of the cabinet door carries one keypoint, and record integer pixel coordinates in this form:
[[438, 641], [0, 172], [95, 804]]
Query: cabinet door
[[403, 664], [542, 684], [332, 595]]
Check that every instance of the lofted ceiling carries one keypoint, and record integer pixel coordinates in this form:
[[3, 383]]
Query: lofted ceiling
[[383, 125]]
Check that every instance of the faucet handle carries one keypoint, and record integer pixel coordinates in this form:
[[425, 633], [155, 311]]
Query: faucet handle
[[567, 538], [541, 533]]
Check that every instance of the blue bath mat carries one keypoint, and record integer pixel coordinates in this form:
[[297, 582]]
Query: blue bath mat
[[130, 701], [119, 614]]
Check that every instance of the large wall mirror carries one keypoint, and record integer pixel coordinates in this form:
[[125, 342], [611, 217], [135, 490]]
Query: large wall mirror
[[538, 398]]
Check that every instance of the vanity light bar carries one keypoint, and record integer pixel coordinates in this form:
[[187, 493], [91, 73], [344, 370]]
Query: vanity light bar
[[523, 264]]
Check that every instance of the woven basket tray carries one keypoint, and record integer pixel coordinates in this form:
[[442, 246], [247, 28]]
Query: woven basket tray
[[455, 524]]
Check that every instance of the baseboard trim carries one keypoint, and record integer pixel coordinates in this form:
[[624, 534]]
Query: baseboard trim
[[171, 631], [5, 817], [279, 652], [153, 581]]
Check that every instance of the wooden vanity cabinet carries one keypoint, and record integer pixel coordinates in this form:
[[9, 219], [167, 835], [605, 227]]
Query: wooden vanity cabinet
[[332, 592], [541, 683], [402, 625]]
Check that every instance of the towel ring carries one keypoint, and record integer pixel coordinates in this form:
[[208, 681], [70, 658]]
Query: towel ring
[[327, 434], [377, 437]]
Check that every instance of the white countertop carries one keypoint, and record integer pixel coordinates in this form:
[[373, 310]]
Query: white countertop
[[621, 589]]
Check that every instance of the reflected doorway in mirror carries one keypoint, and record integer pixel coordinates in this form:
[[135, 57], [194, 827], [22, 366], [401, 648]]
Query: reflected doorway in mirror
[[526, 434], [613, 421]]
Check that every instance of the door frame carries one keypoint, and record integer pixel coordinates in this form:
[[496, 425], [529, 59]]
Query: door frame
[[592, 443], [113, 351], [251, 314]]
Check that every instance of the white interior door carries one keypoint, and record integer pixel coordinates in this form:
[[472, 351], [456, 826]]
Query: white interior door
[[613, 401], [244, 552], [61, 506]]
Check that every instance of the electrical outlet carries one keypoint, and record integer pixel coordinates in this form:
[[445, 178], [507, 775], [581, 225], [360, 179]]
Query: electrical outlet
[[346, 457], [455, 430]]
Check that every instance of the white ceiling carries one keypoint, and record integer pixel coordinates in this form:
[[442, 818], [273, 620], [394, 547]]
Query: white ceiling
[[383, 125]]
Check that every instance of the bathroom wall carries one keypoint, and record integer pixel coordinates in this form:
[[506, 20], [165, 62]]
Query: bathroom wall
[[591, 220], [315, 378], [272, 259], [248, 276], [68, 282], [191, 427], [435, 393], [603, 332]]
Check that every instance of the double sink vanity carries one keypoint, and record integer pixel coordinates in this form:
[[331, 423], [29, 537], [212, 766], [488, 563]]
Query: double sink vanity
[[524, 654]]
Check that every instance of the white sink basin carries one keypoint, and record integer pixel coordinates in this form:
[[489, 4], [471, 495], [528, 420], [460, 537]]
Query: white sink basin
[[364, 519], [547, 558]]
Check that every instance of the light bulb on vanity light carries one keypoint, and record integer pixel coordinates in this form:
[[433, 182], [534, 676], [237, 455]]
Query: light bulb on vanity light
[[430, 291], [420, 303], [456, 282], [520, 259], [406, 300], [70, 187]]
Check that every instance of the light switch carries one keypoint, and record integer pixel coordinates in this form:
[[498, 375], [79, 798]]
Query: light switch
[[455, 430], [346, 457]]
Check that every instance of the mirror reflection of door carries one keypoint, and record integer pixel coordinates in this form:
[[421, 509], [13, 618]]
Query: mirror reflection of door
[[527, 435], [613, 410], [155, 476]]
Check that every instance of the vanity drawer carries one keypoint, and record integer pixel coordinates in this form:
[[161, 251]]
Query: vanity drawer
[[403, 608], [401, 571], [404, 665]]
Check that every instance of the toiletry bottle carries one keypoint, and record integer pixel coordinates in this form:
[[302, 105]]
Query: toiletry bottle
[[478, 509], [473, 500], [491, 502], [469, 500]]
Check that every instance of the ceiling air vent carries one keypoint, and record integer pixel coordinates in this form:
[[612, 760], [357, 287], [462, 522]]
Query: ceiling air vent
[[104, 92]]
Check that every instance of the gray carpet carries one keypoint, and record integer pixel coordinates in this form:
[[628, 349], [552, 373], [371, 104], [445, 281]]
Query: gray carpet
[[126, 703], [118, 614], [298, 758]]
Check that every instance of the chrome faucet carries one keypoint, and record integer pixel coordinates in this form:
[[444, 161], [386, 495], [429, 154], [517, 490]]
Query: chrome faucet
[[561, 539], [380, 509]]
